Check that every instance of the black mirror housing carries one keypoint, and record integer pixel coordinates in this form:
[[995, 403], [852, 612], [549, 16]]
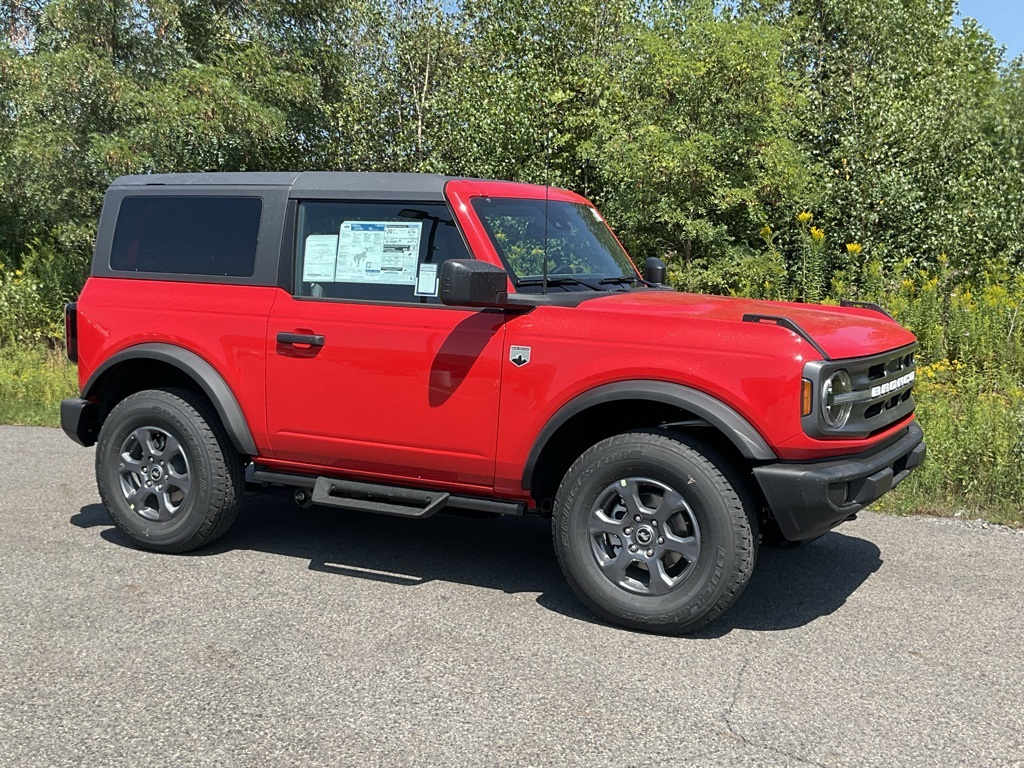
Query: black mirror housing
[[473, 283], [654, 270]]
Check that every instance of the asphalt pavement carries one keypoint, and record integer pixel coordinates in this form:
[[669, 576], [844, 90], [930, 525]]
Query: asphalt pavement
[[318, 637]]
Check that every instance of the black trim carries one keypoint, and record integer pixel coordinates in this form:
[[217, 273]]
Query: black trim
[[737, 429], [858, 368], [307, 339], [291, 236], [789, 325], [810, 499], [381, 499], [263, 477], [565, 299], [286, 264], [204, 374], [316, 184], [268, 247], [365, 186], [71, 330], [865, 305], [79, 420]]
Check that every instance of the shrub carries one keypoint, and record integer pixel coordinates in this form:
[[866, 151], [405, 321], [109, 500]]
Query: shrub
[[33, 381]]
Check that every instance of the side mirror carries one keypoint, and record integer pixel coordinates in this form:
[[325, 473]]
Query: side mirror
[[654, 270], [473, 283]]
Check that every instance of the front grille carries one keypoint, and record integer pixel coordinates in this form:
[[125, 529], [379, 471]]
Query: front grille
[[882, 392]]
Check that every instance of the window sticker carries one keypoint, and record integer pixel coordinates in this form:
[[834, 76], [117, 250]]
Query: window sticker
[[321, 259], [426, 283], [384, 252]]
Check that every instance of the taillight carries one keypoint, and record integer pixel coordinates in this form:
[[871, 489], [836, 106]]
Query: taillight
[[71, 331]]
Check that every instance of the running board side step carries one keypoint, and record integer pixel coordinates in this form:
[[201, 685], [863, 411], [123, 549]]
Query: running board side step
[[373, 497], [382, 499]]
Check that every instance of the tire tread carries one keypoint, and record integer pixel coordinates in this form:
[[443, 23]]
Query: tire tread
[[742, 514], [227, 470]]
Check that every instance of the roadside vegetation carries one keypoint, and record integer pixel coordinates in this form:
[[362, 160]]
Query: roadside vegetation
[[810, 150]]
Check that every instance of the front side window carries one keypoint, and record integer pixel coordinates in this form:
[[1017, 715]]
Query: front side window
[[580, 250], [187, 235], [374, 251]]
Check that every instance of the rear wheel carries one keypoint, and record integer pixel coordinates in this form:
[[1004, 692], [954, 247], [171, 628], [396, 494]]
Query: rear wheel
[[651, 533], [167, 471]]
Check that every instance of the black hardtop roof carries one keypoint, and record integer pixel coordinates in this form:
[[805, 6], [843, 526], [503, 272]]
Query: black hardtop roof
[[306, 183]]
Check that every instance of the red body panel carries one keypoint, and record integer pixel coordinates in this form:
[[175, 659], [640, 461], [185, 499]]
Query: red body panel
[[406, 391], [753, 368], [226, 325], [427, 395]]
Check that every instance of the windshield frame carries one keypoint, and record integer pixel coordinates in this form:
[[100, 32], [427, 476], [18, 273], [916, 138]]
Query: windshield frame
[[600, 236]]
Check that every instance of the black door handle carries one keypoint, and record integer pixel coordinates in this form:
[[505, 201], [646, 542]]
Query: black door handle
[[310, 339]]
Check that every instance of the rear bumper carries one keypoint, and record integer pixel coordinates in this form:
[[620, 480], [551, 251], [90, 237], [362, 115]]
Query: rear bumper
[[810, 499], [78, 419]]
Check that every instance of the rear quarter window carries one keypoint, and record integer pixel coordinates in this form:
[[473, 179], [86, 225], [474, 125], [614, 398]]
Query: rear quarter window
[[187, 235]]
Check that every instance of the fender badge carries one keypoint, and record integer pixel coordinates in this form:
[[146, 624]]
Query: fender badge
[[519, 356]]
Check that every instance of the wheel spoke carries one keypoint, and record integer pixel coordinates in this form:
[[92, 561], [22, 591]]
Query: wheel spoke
[[688, 547], [601, 524], [143, 436], [167, 509], [170, 449], [629, 492], [128, 464], [137, 497], [181, 482], [671, 502], [615, 568], [138, 502], [661, 582]]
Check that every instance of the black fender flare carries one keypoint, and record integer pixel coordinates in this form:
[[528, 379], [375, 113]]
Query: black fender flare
[[200, 371], [728, 421]]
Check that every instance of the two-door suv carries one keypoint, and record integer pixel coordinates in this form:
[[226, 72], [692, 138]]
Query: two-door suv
[[406, 344]]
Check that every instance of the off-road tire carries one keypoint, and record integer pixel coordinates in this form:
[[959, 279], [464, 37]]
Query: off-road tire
[[215, 469], [655, 463]]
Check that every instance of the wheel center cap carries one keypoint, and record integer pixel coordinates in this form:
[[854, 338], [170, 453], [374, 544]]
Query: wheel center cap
[[644, 535], [155, 473]]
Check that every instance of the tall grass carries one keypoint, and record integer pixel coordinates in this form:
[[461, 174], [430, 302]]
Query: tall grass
[[33, 381], [970, 394]]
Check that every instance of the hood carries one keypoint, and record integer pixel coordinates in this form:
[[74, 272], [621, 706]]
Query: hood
[[843, 332]]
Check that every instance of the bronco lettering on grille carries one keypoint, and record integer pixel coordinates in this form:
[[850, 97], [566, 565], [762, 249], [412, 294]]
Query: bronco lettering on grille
[[892, 386]]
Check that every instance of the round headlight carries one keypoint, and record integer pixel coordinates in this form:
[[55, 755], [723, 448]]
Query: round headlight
[[836, 414]]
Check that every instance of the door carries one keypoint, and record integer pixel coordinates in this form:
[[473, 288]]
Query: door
[[367, 372]]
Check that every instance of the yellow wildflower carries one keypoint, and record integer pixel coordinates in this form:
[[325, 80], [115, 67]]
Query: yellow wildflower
[[805, 217], [766, 231], [817, 234], [854, 249]]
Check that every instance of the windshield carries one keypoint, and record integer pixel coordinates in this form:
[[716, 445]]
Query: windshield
[[582, 253]]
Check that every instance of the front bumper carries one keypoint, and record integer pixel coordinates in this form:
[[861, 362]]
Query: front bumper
[[811, 499], [79, 420]]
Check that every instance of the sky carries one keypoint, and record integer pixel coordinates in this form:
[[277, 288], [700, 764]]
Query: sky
[[1004, 19]]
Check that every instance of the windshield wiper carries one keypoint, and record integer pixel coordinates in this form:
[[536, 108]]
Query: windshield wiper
[[558, 282], [623, 280]]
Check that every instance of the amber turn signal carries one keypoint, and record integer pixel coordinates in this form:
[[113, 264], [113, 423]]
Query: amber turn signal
[[805, 397]]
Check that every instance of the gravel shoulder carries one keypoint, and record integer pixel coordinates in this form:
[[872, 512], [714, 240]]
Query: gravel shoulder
[[313, 637]]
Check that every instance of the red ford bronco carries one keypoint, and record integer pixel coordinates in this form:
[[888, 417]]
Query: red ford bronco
[[407, 344]]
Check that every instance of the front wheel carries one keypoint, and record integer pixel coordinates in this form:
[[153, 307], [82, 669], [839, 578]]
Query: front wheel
[[167, 471], [651, 534]]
